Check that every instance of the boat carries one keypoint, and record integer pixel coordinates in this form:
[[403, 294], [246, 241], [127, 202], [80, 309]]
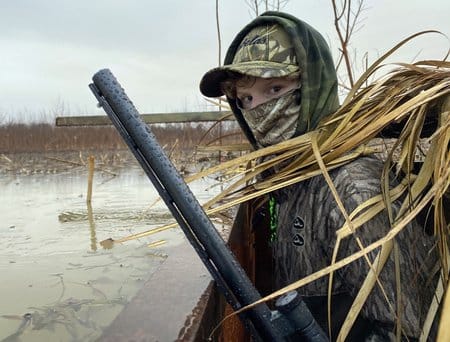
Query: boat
[[180, 301]]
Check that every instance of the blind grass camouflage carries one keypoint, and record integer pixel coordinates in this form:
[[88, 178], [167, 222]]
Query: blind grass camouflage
[[409, 94]]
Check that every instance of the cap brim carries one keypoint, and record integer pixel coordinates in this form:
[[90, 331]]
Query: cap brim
[[210, 84]]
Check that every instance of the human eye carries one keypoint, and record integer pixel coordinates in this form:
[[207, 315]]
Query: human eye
[[245, 101], [275, 89]]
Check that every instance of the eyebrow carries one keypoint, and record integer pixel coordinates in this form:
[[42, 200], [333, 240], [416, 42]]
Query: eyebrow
[[242, 94], [278, 80]]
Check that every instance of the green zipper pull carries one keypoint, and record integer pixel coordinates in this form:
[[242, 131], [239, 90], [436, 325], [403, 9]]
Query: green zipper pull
[[273, 218]]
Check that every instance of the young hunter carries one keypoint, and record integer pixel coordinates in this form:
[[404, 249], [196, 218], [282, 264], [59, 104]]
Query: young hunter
[[280, 81]]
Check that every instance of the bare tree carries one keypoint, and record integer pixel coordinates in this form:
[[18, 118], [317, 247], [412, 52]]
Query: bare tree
[[347, 20], [265, 5], [219, 40], [254, 6]]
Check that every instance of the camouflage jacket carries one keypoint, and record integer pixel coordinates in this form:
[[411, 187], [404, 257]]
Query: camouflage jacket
[[308, 218]]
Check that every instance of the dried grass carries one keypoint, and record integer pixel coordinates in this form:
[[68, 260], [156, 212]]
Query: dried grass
[[42, 137], [413, 94]]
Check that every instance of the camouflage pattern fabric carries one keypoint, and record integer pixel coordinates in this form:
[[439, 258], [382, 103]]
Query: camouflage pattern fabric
[[266, 51], [274, 121], [308, 218]]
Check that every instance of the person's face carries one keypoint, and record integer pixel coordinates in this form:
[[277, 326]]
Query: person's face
[[256, 90]]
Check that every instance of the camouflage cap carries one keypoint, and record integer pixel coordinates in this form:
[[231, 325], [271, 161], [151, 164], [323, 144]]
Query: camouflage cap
[[266, 51]]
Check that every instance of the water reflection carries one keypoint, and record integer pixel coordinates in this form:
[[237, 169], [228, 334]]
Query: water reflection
[[57, 282], [92, 227]]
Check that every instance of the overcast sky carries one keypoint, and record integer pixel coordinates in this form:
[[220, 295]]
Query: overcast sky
[[159, 50]]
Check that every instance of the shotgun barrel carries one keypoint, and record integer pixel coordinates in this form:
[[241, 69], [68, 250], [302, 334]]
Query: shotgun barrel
[[231, 279], [196, 225]]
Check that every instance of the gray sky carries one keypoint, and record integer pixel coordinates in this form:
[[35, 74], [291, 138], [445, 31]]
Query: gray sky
[[159, 50]]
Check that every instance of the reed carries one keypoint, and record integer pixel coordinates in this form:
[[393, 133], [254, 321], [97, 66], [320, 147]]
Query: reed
[[44, 137]]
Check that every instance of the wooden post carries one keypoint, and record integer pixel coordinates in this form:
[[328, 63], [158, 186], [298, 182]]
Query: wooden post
[[90, 178], [92, 227], [91, 166]]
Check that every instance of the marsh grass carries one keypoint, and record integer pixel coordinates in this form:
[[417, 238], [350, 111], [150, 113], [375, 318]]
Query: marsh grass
[[45, 137], [42, 148]]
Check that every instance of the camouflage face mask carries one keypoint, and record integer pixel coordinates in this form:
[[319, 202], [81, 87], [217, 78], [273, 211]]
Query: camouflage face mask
[[275, 120]]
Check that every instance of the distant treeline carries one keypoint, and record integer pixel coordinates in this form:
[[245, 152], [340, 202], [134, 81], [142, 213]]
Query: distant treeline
[[41, 137]]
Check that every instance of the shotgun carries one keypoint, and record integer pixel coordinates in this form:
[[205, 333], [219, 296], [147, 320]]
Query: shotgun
[[292, 319]]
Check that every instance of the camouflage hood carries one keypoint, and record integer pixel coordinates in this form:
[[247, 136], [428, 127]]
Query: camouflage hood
[[307, 48]]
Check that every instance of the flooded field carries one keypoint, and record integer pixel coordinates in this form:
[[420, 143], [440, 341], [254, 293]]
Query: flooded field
[[57, 282]]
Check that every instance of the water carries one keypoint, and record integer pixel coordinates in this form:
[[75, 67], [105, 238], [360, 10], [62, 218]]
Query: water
[[57, 282]]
